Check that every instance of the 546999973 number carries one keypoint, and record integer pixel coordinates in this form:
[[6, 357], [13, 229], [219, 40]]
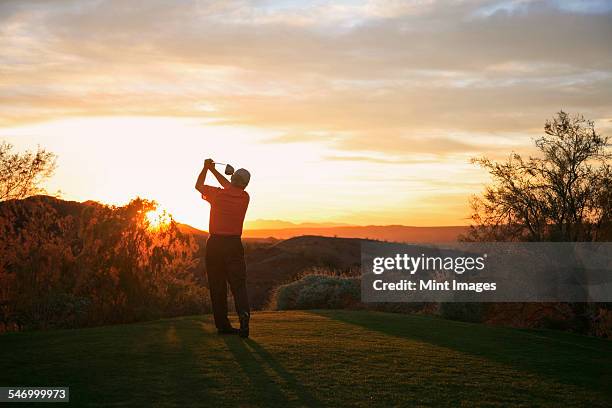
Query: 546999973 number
[[33, 394]]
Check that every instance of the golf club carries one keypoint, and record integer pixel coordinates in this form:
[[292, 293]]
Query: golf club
[[229, 169]]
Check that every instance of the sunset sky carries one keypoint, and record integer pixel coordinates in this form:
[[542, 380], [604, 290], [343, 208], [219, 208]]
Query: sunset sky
[[361, 112]]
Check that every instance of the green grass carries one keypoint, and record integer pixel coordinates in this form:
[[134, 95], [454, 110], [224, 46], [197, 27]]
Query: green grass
[[313, 358]]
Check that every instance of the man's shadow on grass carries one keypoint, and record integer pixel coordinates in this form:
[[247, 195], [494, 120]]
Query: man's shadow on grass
[[271, 382]]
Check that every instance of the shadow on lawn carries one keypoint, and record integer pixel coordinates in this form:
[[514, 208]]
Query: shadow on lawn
[[570, 359], [273, 384]]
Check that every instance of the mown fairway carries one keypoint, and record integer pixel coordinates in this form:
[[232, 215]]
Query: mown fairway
[[313, 358]]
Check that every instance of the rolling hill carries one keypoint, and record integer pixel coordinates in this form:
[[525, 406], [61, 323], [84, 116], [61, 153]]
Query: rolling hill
[[272, 265]]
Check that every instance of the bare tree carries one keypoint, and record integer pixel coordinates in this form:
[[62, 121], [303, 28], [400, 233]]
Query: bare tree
[[564, 194], [21, 174]]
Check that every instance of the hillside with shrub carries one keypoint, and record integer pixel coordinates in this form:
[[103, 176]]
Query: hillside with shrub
[[69, 264], [321, 288], [272, 265]]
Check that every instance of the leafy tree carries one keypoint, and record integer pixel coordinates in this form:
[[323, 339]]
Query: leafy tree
[[22, 173], [564, 194]]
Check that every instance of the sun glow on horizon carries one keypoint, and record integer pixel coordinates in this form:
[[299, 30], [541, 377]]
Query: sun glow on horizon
[[158, 218], [115, 159]]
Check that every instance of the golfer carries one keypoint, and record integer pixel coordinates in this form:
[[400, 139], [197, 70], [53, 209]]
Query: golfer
[[224, 252]]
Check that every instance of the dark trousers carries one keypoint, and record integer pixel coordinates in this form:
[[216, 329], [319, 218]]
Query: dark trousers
[[225, 264]]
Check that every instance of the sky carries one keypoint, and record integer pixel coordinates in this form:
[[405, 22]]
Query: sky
[[360, 112]]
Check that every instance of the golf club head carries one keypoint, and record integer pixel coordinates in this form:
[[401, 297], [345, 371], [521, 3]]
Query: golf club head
[[229, 170]]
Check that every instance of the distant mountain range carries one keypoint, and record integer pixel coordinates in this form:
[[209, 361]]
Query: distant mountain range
[[280, 224], [399, 233]]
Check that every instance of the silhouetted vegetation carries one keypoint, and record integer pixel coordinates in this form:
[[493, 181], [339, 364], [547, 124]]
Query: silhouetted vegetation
[[66, 264], [22, 173], [564, 194], [319, 288]]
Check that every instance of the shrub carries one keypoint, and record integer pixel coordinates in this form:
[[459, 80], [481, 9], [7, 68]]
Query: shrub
[[92, 265], [602, 323], [53, 310], [318, 291]]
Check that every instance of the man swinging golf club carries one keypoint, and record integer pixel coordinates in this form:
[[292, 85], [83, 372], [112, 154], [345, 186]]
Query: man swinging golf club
[[224, 252]]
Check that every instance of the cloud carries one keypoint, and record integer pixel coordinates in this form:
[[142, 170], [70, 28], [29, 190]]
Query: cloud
[[364, 77], [378, 160]]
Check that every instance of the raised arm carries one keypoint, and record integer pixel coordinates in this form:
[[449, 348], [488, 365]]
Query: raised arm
[[208, 163]]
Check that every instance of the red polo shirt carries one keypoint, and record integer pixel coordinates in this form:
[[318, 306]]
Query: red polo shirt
[[228, 207]]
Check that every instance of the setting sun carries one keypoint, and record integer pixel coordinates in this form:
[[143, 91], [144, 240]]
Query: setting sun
[[158, 218]]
